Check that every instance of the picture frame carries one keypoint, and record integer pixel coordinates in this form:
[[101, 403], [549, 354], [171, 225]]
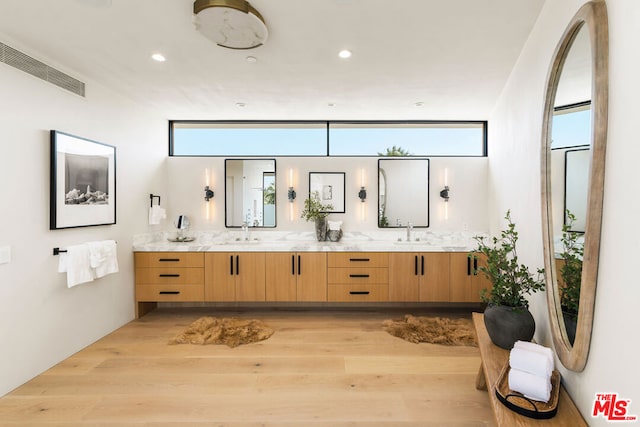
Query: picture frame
[[82, 182], [330, 187]]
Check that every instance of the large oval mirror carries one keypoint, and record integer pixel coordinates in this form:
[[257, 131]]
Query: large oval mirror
[[250, 192], [573, 155]]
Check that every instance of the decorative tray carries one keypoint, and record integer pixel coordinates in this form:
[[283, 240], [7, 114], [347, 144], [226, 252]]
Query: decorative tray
[[181, 239], [517, 402]]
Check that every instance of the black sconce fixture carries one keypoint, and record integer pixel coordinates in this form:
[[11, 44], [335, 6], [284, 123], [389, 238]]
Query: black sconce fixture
[[208, 193], [444, 193], [291, 194], [362, 194]]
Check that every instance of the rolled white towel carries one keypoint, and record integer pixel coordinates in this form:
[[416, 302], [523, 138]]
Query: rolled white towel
[[335, 225], [533, 362], [532, 386], [527, 345]]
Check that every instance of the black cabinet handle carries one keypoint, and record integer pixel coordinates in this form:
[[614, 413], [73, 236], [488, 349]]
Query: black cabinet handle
[[169, 260], [415, 265], [359, 259], [293, 265], [237, 265], [468, 266], [299, 266], [358, 275], [231, 265], [169, 275], [359, 292], [475, 266], [422, 262], [169, 292]]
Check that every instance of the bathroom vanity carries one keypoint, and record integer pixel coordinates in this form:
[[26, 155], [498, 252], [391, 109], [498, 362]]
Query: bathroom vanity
[[318, 272]]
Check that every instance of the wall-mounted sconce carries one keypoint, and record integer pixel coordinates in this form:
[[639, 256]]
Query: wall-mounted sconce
[[291, 194], [444, 193], [208, 193], [362, 194]]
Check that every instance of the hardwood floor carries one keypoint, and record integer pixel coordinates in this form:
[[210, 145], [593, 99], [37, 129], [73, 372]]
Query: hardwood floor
[[320, 368]]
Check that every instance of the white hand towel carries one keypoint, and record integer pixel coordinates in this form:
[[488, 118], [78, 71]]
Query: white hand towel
[[531, 346], [334, 225], [77, 264], [156, 214], [531, 361], [532, 386], [103, 257]]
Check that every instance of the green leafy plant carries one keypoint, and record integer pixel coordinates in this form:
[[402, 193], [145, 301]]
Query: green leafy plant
[[512, 281], [270, 194], [314, 209], [395, 152], [571, 270]]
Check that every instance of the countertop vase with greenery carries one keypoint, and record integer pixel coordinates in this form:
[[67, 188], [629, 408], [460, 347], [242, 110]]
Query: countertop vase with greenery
[[507, 316], [314, 210]]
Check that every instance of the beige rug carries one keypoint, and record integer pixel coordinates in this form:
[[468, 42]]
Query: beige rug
[[435, 330], [229, 331]]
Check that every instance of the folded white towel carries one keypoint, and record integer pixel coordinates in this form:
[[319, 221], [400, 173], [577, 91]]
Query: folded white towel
[[156, 214], [76, 263], [533, 362], [335, 225], [103, 257], [532, 386], [531, 346]]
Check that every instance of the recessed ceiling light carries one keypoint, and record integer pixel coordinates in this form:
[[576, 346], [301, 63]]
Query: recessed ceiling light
[[158, 57], [240, 104], [419, 104], [331, 104], [344, 54], [251, 59]]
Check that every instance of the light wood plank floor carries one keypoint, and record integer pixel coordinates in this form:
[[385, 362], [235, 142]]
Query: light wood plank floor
[[320, 368]]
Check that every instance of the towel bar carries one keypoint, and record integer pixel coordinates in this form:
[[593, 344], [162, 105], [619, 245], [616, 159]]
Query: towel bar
[[58, 251], [153, 196]]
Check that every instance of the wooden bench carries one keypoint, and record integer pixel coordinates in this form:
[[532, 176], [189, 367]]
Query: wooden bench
[[494, 359]]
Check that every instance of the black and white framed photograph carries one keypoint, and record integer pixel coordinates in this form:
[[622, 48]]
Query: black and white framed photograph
[[330, 188], [83, 182]]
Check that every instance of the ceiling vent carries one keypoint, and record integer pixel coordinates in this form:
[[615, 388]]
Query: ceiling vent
[[23, 62]]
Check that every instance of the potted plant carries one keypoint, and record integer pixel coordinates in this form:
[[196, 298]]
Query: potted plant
[[507, 315], [570, 276], [315, 210]]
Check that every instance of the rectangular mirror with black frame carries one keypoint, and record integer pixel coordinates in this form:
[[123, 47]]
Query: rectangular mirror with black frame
[[250, 192]]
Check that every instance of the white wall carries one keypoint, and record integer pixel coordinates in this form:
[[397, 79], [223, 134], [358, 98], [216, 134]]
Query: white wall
[[466, 178], [514, 165], [41, 320]]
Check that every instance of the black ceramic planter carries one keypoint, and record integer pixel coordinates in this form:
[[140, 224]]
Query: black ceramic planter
[[506, 325]]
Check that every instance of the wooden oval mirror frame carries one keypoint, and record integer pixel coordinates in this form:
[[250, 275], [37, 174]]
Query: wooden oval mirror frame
[[592, 16]]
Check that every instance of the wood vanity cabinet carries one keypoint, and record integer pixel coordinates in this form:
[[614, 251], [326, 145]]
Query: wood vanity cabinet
[[234, 276], [419, 277], [296, 276], [168, 277], [466, 281], [358, 276]]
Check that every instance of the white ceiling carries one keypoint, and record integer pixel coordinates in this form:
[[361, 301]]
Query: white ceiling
[[452, 55]]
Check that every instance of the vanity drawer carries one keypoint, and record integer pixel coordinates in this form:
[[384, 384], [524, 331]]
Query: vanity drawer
[[169, 259], [358, 293], [358, 275], [358, 259], [169, 275], [166, 293]]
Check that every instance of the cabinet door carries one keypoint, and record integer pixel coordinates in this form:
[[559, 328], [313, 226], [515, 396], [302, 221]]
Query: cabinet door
[[281, 276], [478, 280], [434, 276], [404, 276], [466, 281], [250, 276], [219, 276], [312, 276]]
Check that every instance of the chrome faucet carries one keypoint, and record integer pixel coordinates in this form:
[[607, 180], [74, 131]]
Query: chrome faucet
[[245, 231], [409, 228]]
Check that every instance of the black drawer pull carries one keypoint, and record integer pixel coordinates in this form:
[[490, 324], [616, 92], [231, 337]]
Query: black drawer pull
[[169, 260], [169, 292], [359, 259], [358, 275], [359, 292], [169, 275]]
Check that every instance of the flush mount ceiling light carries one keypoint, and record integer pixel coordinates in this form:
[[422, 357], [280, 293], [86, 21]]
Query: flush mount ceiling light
[[233, 24]]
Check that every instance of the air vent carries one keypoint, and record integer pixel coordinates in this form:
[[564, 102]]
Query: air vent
[[23, 62]]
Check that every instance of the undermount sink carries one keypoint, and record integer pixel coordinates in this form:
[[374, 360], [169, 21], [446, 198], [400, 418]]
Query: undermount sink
[[409, 242]]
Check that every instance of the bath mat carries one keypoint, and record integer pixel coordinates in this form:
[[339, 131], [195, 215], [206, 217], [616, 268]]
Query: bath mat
[[434, 330], [229, 331]]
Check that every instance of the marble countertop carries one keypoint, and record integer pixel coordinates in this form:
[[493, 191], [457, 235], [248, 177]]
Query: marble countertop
[[277, 241]]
